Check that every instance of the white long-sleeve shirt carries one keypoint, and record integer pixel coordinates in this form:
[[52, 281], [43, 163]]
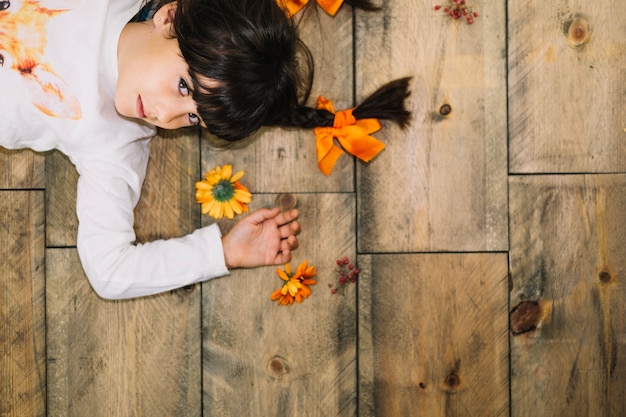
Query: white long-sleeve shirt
[[58, 72]]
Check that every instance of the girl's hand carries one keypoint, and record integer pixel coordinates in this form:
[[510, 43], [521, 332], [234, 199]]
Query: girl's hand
[[264, 237]]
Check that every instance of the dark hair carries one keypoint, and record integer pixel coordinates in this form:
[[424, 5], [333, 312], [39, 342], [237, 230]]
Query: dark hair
[[387, 103], [242, 57], [250, 69]]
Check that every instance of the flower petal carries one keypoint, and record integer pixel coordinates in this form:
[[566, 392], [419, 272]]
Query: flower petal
[[282, 274], [240, 186], [305, 291], [243, 196], [292, 287], [236, 177], [236, 205], [227, 171], [301, 269], [217, 210], [203, 185], [228, 210]]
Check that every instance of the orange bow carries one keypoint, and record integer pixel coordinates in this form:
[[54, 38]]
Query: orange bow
[[353, 135], [293, 6]]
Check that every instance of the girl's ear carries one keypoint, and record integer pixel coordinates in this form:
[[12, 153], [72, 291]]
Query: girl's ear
[[165, 15]]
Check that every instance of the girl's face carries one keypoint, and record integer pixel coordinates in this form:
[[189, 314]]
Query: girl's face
[[153, 79]]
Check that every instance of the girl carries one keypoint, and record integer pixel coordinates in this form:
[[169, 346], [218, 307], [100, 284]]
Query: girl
[[229, 66]]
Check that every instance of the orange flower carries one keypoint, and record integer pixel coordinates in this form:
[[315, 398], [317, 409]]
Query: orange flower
[[221, 194], [295, 286]]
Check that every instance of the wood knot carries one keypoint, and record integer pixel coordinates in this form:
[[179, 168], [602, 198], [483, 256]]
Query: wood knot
[[286, 202], [604, 277], [525, 317], [452, 381], [577, 32], [445, 110], [277, 367]]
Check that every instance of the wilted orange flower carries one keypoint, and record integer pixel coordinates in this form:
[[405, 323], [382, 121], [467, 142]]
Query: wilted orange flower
[[295, 286], [221, 194]]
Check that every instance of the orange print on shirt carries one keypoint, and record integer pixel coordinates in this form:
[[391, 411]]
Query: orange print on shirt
[[23, 40]]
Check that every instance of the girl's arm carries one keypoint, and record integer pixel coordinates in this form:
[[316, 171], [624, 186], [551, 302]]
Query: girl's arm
[[108, 190]]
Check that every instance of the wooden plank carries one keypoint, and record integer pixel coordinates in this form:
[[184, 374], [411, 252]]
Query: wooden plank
[[566, 72], [61, 220], [133, 357], [263, 359], [22, 311], [119, 358], [433, 335], [21, 169], [284, 160], [168, 207], [441, 184], [568, 318]]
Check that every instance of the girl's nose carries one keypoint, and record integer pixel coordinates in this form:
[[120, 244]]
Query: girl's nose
[[174, 113]]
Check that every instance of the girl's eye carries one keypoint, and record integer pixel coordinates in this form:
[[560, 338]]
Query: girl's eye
[[183, 87]]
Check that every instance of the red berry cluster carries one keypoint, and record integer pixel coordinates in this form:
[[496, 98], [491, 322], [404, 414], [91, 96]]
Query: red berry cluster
[[457, 9], [348, 273]]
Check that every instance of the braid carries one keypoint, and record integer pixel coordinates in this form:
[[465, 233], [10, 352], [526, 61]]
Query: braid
[[388, 102], [385, 103], [307, 118]]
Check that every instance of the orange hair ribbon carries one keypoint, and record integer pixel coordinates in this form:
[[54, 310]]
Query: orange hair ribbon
[[353, 135], [294, 6]]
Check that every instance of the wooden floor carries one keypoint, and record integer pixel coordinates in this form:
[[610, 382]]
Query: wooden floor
[[491, 236]]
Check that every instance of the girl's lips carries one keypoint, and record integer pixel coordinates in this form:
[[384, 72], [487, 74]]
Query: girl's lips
[[139, 106]]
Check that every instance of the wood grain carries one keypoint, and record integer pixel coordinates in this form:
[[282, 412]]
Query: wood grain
[[433, 335], [167, 207], [22, 304], [21, 169], [61, 220], [441, 184], [263, 359], [136, 357], [567, 104], [568, 261]]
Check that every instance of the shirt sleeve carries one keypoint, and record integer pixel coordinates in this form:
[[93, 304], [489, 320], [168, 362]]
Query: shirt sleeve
[[108, 191]]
